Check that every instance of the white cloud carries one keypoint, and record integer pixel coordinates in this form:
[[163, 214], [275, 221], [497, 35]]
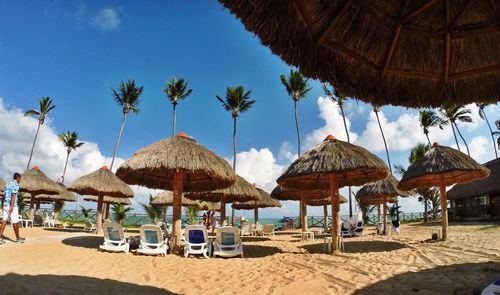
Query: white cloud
[[107, 19], [286, 152], [481, 149]]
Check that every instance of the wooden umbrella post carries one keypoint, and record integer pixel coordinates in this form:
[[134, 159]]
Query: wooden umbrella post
[[385, 218], [222, 211], [304, 212], [32, 208], [256, 215], [378, 213], [98, 221], [444, 210], [106, 215], [177, 207], [325, 213], [335, 213]]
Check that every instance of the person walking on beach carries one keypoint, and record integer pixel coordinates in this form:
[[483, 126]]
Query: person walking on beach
[[10, 209]]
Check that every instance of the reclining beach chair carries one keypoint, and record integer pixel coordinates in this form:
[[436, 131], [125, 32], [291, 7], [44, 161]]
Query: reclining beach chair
[[246, 230], [268, 229], [258, 230], [114, 240], [89, 226], [492, 289], [49, 220], [345, 229], [25, 220], [227, 242], [152, 242], [358, 230], [196, 240], [37, 220]]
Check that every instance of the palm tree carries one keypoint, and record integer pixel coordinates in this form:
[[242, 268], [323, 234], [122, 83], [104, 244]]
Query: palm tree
[[428, 119], [127, 97], [297, 86], [482, 115], [376, 109], [70, 141], [435, 201], [58, 207], [176, 90], [237, 101], [454, 114], [366, 210], [86, 212], [120, 213], [20, 203], [45, 107], [393, 211], [192, 212], [340, 98], [152, 211]]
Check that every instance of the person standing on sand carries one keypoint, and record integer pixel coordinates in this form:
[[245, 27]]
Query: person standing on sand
[[10, 209]]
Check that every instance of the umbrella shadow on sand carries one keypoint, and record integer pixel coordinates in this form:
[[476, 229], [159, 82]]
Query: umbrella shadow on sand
[[358, 247], [89, 242], [258, 251], [61, 284], [467, 278]]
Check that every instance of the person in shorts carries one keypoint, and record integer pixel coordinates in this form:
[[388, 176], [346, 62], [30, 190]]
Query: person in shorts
[[10, 209]]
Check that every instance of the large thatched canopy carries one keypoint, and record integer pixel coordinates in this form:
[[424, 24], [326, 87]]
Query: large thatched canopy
[[265, 201], [154, 166], [101, 182], [166, 198], [35, 182], [210, 206], [412, 53], [241, 191], [349, 163], [484, 186], [109, 200], [283, 194], [324, 201], [442, 165], [65, 195]]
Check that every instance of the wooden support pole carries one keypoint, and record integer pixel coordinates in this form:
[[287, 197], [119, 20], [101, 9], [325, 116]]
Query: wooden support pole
[[98, 221], [444, 210], [256, 215], [177, 207], [385, 218], [222, 211], [106, 215], [378, 213], [304, 212], [335, 213], [325, 213]]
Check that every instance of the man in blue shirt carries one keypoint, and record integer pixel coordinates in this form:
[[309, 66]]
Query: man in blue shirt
[[10, 209]]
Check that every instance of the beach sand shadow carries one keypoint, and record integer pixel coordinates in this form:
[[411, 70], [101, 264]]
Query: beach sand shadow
[[59, 284], [67, 230], [90, 242], [255, 239], [258, 251], [358, 247], [468, 278]]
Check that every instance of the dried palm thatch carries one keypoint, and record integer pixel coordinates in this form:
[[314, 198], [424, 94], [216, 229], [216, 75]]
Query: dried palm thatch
[[166, 198], [65, 195], [210, 206], [155, 165], [2, 186], [241, 191], [324, 201], [101, 182], [282, 194], [442, 166], [265, 201], [35, 182], [348, 163], [109, 200], [484, 186], [413, 53], [381, 191], [368, 200]]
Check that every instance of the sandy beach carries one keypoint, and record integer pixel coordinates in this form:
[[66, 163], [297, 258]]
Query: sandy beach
[[56, 261]]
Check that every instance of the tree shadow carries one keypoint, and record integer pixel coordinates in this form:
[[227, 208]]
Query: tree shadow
[[358, 247], [89, 242], [468, 278], [61, 284], [255, 239], [68, 230], [258, 251]]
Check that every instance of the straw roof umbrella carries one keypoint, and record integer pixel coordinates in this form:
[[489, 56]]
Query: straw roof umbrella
[[241, 191], [411, 53], [210, 206], [324, 202], [178, 164], [442, 166], [330, 166], [166, 198], [65, 195], [109, 200], [265, 201], [100, 183]]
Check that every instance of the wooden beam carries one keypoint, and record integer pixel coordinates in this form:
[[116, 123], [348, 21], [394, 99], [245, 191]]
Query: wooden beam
[[368, 10], [390, 50], [306, 16], [419, 10], [415, 74], [457, 34], [447, 42], [350, 53], [495, 68], [458, 15], [334, 21]]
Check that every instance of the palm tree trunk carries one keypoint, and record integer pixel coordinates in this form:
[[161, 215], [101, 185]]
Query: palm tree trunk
[[455, 135], [463, 139], [33, 146], [165, 214], [348, 140], [491, 133], [175, 120], [426, 198], [428, 140], [65, 166], [234, 161], [385, 143], [118, 141], [298, 150]]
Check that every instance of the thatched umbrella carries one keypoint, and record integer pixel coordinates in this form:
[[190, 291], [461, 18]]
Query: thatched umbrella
[[35, 182], [412, 53], [330, 166], [178, 164], [109, 200], [100, 183], [325, 202], [210, 206], [442, 166], [265, 201], [241, 191], [65, 195], [166, 198]]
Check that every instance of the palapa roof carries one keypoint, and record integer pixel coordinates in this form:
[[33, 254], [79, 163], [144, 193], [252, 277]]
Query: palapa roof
[[324, 201], [381, 189], [283, 194], [109, 200], [155, 165], [376, 200], [101, 182], [35, 182], [265, 201], [415, 53], [349, 163], [442, 164], [65, 195], [487, 185], [166, 198], [210, 206], [241, 191]]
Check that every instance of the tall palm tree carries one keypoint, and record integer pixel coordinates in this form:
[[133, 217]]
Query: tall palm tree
[[297, 86], [339, 98], [127, 97], [58, 207], [237, 101], [482, 115], [376, 109], [428, 119], [192, 212], [120, 213], [45, 107], [176, 90], [86, 212], [152, 211], [454, 114], [71, 143]]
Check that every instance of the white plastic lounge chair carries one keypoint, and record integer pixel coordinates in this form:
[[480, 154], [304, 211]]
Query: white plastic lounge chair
[[345, 229], [114, 240], [492, 289], [49, 220], [246, 230], [26, 221], [196, 240], [258, 230], [268, 229], [89, 226], [358, 230], [152, 242], [227, 242]]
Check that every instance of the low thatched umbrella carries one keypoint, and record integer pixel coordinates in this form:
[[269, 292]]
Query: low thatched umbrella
[[210, 206], [65, 195], [442, 166], [413, 53], [109, 200], [177, 164], [324, 202], [241, 191], [100, 183], [35, 182], [166, 198], [265, 201], [330, 166]]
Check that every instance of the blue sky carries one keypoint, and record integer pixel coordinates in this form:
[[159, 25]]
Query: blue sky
[[75, 51]]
